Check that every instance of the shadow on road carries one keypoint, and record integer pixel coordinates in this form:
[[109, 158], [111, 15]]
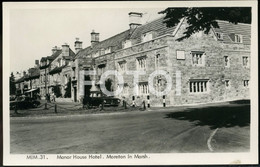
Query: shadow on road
[[217, 116]]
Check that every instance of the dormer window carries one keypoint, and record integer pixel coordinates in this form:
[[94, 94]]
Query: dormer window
[[238, 38], [102, 51], [147, 36], [219, 35], [108, 50], [96, 54], [127, 44]]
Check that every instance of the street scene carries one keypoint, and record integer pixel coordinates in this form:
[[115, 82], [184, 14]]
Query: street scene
[[216, 128], [159, 80]]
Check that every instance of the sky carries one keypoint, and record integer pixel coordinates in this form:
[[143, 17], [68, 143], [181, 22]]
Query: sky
[[35, 31]]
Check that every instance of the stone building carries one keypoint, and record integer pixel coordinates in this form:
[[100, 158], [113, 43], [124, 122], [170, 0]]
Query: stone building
[[45, 69], [52, 70], [29, 83], [203, 68]]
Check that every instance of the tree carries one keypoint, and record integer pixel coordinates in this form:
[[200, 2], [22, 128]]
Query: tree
[[68, 89], [12, 84], [203, 19]]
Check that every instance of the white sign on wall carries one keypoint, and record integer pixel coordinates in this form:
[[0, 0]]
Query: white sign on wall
[[180, 55]]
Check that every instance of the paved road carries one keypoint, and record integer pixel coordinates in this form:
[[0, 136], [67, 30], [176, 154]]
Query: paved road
[[207, 129]]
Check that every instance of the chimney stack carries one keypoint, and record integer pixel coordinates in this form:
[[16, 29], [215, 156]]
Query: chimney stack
[[78, 45], [37, 63], [65, 49], [134, 20], [24, 73], [54, 49], [94, 38]]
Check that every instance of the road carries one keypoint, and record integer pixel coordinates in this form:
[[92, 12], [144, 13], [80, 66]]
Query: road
[[195, 129]]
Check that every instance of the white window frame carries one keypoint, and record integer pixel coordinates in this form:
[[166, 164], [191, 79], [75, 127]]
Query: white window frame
[[127, 44], [238, 38], [147, 36], [141, 63], [199, 86], [228, 61], [247, 64], [246, 83], [200, 56], [143, 88]]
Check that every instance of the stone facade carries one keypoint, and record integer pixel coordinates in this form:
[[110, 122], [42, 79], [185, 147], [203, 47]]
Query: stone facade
[[204, 68], [208, 69]]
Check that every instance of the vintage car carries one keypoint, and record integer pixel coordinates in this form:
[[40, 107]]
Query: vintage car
[[24, 102], [97, 101]]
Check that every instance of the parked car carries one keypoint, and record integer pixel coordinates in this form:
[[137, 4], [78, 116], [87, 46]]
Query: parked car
[[97, 101], [24, 102], [12, 98]]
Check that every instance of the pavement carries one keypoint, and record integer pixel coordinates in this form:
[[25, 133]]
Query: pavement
[[194, 129]]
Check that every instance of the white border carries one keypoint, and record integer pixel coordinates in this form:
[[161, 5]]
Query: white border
[[155, 159]]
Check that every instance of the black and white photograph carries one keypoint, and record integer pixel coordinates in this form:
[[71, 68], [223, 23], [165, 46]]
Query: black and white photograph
[[130, 83]]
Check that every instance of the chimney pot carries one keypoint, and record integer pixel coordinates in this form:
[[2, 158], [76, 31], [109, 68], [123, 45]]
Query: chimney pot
[[65, 49], [94, 37], [37, 62], [135, 19], [54, 49], [78, 45]]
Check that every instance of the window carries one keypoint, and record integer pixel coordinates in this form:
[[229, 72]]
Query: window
[[143, 88], [127, 44], [226, 61], [227, 84], [245, 61], [122, 66], [180, 55], [108, 50], [101, 69], [102, 51], [219, 35], [238, 38], [141, 63], [246, 83], [157, 58], [96, 54], [147, 37], [159, 84], [198, 86], [197, 58]]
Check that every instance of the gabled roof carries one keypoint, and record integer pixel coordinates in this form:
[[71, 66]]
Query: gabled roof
[[57, 69], [20, 79], [54, 55], [71, 53], [156, 25], [34, 73], [83, 52], [229, 28], [116, 41]]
